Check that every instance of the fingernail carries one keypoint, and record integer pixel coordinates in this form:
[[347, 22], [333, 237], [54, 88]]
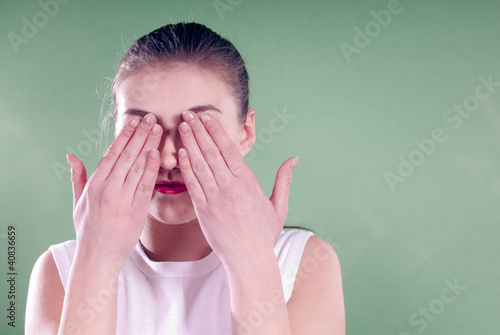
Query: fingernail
[[183, 153], [185, 128], [294, 164], [188, 116], [134, 122], [148, 121], [156, 130], [206, 118]]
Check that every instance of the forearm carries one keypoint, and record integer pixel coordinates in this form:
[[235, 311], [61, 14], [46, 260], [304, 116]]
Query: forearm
[[90, 302], [257, 302]]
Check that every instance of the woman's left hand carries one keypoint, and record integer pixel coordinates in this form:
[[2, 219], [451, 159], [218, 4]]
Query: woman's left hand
[[233, 211]]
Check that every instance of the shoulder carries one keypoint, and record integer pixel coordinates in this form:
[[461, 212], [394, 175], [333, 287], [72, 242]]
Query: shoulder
[[45, 297], [45, 268], [319, 261], [317, 303]]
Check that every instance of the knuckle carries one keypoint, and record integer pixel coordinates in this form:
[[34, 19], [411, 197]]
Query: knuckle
[[107, 198], [197, 127], [185, 166], [200, 167], [151, 166], [224, 179], [144, 187], [138, 168], [212, 190], [237, 169], [192, 185], [228, 151], [189, 142], [110, 155], [214, 129], [141, 132], [127, 157], [211, 154], [127, 132]]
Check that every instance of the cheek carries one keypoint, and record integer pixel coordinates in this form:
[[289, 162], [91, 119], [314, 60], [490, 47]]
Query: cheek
[[230, 128]]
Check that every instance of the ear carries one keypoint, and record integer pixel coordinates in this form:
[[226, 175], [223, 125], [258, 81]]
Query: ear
[[246, 137]]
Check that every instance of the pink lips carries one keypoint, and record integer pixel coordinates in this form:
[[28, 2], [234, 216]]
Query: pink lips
[[170, 187]]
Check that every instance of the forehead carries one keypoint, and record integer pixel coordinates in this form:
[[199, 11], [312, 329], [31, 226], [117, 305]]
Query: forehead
[[166, 91]]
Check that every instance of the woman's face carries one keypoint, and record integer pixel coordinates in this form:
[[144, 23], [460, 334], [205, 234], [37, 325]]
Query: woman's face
[[167, 91]]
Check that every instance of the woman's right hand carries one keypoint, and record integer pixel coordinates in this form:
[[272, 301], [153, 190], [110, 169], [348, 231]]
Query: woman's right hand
[[110, 209]]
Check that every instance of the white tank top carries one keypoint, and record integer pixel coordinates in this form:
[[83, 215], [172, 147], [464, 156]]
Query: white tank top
[[177, 298]]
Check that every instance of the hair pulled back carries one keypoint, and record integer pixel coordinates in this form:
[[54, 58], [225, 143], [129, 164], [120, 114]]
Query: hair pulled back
[[193, 44]]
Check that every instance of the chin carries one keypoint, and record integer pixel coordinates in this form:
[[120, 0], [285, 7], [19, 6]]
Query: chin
[[171, 213]]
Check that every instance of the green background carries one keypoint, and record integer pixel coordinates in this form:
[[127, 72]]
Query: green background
[[353, 119]]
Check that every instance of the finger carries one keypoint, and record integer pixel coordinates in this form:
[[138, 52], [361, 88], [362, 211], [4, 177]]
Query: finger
[[145, 187], [198, 164], [131, 151], [193, 186], [281, 190], [139, 167], [208, 148], [78, 177], [232, 157], [109, 159]]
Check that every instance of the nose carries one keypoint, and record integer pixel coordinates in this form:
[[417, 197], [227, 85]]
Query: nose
[[168, 149]]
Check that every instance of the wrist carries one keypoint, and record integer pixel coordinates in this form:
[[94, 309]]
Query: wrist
[[98, 263], [245, 261]]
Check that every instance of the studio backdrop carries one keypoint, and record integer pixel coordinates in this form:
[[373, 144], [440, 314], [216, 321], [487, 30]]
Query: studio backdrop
[[392, 106]]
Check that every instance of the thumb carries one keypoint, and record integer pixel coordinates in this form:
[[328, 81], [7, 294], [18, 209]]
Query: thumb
[[281, 189], [78, 177]]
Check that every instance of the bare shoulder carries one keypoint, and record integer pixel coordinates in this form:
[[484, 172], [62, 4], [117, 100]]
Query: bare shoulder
[[45, 297], [317, 302], [319, 264]]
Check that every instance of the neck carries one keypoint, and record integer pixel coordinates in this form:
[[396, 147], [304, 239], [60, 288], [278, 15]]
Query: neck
[[174, 243]]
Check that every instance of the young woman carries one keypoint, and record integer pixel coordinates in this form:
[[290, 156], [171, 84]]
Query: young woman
[[174, 234]]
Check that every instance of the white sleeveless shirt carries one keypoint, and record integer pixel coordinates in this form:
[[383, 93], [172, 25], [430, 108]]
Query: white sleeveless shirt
[[177, 298]]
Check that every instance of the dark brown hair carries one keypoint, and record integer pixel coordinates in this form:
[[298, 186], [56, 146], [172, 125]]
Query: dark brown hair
[[188, 43]]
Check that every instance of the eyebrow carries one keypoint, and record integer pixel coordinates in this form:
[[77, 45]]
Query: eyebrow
[[195, 109]]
